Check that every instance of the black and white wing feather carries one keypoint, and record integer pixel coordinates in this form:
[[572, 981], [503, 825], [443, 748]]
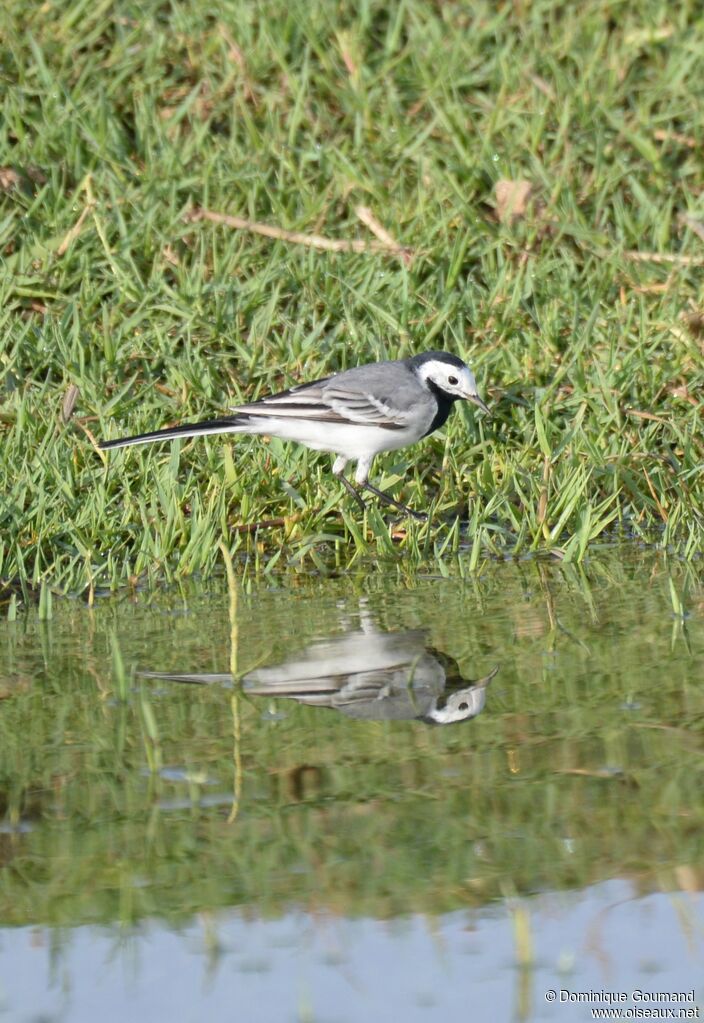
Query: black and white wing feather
[[345, 400]]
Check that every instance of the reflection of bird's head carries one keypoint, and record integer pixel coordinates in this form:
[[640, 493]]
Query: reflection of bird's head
[[462, 705]]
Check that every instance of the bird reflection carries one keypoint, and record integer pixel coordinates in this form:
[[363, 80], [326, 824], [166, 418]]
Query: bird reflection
[[366, 674]]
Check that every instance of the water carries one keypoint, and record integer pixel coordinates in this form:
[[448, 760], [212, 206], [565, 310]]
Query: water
[[428, 793], [321, 966]]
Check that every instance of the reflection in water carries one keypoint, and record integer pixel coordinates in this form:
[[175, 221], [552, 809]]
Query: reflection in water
[[355, 968], [123, 805], [367, 674]]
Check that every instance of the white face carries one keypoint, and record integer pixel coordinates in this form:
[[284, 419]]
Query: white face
[[451, 379], [460, 706]]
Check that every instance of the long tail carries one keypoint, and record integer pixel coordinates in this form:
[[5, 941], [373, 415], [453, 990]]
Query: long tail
[[233, 424], [197, 680]]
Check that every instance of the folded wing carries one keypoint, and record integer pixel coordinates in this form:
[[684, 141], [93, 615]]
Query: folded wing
[[326, 401]]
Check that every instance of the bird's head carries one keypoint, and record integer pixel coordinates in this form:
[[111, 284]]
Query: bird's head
[[447, 374], [462, 704]]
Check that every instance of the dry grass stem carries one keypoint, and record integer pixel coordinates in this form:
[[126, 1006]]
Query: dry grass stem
[[380, 232], [667, 258], [69, 402], [312, 241], [74, 232], [674, 136]]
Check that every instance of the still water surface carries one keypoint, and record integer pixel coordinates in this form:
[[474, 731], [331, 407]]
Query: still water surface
[[426, 795]]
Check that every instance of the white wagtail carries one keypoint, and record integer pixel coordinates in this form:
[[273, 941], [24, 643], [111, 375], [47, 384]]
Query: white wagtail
[[366, 674], [356, 414]]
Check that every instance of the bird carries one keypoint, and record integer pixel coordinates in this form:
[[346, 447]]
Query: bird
[[356, 414], [366, 674]]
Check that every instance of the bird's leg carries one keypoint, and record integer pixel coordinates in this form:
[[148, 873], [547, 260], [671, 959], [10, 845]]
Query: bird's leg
[[363, 466], [338, 470], [420, 516], [351, 490]]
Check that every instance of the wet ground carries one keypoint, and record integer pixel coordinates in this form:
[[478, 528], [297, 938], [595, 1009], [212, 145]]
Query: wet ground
[[422, 795]]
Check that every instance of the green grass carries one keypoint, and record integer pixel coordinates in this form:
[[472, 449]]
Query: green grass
[[120, 118]]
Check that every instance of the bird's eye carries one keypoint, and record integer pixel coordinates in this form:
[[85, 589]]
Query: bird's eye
[[452, 380]]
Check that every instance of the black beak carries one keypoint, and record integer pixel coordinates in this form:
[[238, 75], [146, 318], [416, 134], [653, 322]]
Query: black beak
[[476, 400]]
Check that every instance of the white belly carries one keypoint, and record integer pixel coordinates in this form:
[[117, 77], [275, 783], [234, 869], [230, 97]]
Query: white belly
[[349, 440]]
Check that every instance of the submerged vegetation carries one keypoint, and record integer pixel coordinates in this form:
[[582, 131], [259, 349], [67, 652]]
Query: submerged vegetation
[[539, 182]]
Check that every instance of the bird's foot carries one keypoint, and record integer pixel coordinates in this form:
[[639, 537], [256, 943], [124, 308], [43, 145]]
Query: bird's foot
[[393, 503], [382, 496]]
